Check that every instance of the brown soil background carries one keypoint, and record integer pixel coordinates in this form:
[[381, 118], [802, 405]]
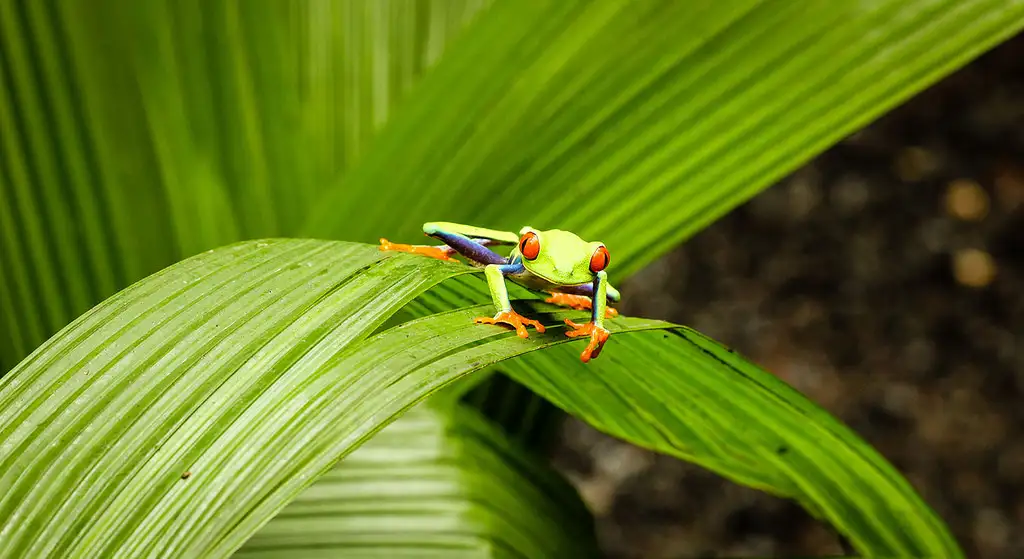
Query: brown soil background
[[885, 280]]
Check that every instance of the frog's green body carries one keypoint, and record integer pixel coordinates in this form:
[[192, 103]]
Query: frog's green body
[[559, 262]]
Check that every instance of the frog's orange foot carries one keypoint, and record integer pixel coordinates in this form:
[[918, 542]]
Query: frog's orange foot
[[514, 319], [441, 253], [598, 336], [578, 302]]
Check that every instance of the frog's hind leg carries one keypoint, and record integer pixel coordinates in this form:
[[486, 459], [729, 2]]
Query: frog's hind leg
[[578, 302], [579, 297], [474, 249], [471, 242]]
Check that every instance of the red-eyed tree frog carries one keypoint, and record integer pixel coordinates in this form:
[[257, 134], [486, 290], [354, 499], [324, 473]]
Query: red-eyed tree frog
[[558, 262]]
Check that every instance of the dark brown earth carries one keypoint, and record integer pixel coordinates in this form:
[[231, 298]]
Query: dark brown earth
[[885, 280]]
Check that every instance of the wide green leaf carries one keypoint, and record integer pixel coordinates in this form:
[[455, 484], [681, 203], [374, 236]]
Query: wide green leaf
[[435, 483], [253, 368]]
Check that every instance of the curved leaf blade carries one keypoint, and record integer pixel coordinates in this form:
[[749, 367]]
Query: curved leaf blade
[[144, 384], [681, 394]]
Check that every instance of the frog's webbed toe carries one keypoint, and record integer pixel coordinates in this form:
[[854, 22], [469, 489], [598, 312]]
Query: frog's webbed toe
[[598, 336], [514, 319], [438, 252]]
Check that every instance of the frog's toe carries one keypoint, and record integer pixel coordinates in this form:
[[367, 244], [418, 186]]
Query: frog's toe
[[514, 319], [598, 336], [438, 252]]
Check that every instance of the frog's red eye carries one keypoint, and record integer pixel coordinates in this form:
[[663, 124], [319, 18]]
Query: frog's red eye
[[529, 245], [599, 260]]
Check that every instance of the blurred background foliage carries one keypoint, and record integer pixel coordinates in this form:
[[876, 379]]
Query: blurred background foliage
[[135, 134]]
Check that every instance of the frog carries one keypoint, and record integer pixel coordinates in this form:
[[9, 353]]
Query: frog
[[570, 270]]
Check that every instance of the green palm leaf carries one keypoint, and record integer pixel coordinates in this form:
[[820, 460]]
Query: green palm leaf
[[253, 368]]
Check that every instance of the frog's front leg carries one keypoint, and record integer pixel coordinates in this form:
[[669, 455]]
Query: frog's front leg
[[499, 295], [595, 328]]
